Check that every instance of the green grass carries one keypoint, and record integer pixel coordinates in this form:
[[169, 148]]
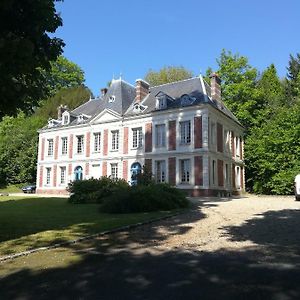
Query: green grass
[[12, 188], [27, 223]]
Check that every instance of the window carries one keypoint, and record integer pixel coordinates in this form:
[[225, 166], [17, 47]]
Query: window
[[160, 136], [185, 170], [227, 141], [161, 102], [185, 132], [66, 119], [115, 140], [50, 147], [80, 144], [114, 171], [237, 146], [238, 178], [48, 176], [213, 133], [62, 175], [64, 145], [111, 98], [214, 172], [226, 175], [160, 171], [97, 141], [137, 137]]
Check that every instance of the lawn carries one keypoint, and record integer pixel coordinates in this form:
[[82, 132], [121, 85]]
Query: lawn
[[12, 188], [27, 223]]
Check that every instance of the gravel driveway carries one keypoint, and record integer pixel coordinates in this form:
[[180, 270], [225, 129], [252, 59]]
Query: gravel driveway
[[247, 248]]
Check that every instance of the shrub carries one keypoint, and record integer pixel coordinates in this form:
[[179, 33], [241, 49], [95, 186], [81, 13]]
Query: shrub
[[140, 198], [94, 190]]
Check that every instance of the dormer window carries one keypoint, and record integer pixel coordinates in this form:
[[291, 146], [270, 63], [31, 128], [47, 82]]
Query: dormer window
[[52, 123], [161, 102], [137, 107], [82, 117], [187, 100], [66, 118], [111, 98]]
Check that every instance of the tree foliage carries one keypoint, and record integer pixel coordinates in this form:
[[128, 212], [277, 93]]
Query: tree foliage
[[25, 49], [167, 74]]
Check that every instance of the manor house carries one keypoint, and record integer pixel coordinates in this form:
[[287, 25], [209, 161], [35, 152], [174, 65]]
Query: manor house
[[181, 131]]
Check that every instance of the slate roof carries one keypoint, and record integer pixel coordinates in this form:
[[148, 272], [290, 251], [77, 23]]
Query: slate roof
[[120, 98]]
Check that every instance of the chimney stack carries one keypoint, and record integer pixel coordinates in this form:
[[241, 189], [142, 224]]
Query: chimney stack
[[104, 91], [215, 85], [142, 89], [60, 111]]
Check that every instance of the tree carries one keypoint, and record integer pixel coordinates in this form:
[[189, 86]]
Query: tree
[[293, 78], [25, 49], [63, 74], [239, 91], [167, 74]]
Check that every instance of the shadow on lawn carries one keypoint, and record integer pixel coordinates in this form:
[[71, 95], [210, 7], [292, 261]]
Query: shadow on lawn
[[124, 268]]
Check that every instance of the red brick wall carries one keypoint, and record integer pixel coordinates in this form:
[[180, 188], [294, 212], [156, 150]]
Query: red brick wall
[[242, 178], [172, 170], [105, 142], [232, 144], [125, 170], [125, 141], [148, 137], [219, 137], [198, 170], [148, 164], [220, 172], [88, 144], [70, 170], [43, 149], [87, 168], [56, 147], [172, 135], [54, 174], [198, 132], [41, 177], [104, 168], [233, 176], [71, 146], [241, 148]]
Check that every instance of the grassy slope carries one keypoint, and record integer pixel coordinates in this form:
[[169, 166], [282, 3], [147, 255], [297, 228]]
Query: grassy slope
[[12, 189], [34, 222]]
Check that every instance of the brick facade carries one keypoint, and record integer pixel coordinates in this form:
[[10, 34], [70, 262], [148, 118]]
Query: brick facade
[[56, 143], [88, 144], [198, 132], [71, 146], [220, 167], [172, 170], [232, 144], [105, 142], [41, 177], [148, 137], [172, 135], [43, 149], [125, 140], [233, 176], [198, 170], [220, 139], [70, 170], [87, 169], [125, 170], [148, 164], [104, 168], [54, 175]]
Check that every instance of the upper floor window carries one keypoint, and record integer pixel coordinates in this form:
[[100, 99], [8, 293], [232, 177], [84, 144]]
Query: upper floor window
[[64, 145], [50, 147], [114, 171], [227, 140], [185, 170], [66, 118], [185, 132], [137, 137], [160, 171], [213, 133], [80, 144], [115, 140], [97, 141], [161, 102], [160, 135], [237, 146]]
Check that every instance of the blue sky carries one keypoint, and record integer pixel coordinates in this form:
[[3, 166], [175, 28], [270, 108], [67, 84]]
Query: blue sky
[[106, 38]]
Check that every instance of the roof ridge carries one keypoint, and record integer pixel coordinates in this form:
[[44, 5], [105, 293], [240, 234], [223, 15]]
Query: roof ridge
[[169, 83]]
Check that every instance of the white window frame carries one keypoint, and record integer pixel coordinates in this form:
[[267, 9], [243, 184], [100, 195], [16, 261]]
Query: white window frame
[[63, 173], [214, 172], [66, 118], [115, 140], [226, 175], [161, 103], [48, 175], [237, 146], [185, 129], [213, 133], [64, 145], [160, 171], [114, 171], [137, 137], [185, 171], [50, 147], [80, 144], [227, 141], [160, 135], [97, 142], [238, 177]]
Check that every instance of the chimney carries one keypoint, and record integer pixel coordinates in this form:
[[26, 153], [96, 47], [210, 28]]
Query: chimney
[[215, 85], [142, 89], [104, 91], [60, 111]]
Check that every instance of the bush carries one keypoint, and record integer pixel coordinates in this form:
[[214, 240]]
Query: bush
[[94, 190], [140, 198]]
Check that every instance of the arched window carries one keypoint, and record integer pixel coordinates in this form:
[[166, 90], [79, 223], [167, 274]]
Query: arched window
[[135, 169], [78, 173]]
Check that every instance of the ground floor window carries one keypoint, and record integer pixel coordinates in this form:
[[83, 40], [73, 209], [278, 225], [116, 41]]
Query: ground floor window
[[238, 178], [114, 171], [62, 175], [226, 175], [185, 170], [214, 172], [48, 176], [135, 169], [78, 173], [160, 171]]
